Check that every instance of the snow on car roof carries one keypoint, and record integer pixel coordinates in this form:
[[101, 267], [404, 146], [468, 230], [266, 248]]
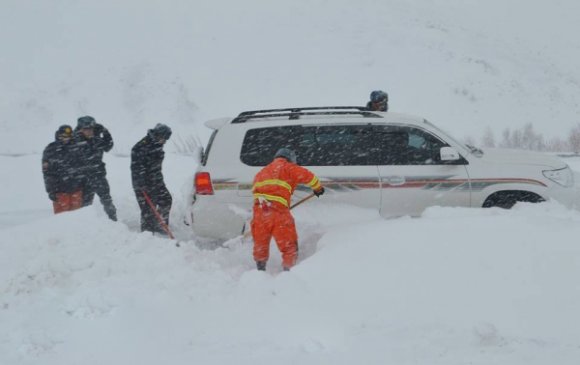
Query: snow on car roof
[[378, 117], [314, 115]]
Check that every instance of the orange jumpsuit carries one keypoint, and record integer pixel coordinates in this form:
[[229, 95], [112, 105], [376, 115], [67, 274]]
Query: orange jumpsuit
[[273, 188]]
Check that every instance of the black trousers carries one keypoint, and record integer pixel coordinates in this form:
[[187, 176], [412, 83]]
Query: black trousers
[[98, 184], [162, 201]]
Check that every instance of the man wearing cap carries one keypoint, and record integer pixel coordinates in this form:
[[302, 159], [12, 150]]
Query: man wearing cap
[[91, 141], [273, 189], [379, 101], [60, 169], [147, 178]]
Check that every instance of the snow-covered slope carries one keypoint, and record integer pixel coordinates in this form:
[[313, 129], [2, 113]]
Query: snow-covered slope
[[465, 65]]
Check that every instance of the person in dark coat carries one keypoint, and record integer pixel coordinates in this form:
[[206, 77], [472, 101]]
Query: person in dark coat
[[61, 172], [379, 101], [147, 177], [91, 141]]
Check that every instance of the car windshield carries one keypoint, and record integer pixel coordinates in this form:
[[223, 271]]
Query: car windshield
[[467, 148]]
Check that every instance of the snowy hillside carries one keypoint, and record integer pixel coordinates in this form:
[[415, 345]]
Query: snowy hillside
[[462, 64]]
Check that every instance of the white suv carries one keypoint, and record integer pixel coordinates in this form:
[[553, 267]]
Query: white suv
[[397, 164]]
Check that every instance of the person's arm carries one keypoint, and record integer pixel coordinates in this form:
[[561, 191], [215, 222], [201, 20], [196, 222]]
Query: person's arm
[[139, 170], [104, 138], [48, 174], [306, 177]]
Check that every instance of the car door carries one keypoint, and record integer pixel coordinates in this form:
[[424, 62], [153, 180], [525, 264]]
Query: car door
[[412, 175], [340, 156]]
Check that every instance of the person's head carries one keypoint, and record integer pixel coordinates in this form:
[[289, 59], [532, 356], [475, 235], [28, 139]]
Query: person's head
[[64, 133], [86, 125], [379, 101], [286, 153], [160, 133]]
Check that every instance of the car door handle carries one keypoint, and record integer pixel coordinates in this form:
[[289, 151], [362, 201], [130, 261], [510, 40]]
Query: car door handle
[[394, 180]]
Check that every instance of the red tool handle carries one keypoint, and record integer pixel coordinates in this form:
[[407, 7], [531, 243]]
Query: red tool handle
[[158, 216]]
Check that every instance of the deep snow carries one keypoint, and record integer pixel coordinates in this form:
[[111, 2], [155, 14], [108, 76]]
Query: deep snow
[[454, 286]]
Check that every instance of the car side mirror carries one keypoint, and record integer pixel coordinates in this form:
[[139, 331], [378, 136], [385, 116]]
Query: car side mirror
[[449, 154]]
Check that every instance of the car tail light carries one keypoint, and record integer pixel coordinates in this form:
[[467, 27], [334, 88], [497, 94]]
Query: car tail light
[[203, 184]]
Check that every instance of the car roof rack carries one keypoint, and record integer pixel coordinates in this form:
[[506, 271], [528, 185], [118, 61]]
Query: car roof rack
[[295, 113]]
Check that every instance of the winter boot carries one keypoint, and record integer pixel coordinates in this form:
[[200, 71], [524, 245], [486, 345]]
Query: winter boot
[[261, 265]]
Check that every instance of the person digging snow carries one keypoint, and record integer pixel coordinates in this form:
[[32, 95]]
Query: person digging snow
[[273, 189], [147, 177]]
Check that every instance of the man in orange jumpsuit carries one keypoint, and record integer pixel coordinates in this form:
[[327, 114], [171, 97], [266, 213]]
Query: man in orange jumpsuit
[[273, 188]]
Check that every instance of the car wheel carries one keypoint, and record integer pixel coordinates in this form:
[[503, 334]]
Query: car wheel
[[508, 198]]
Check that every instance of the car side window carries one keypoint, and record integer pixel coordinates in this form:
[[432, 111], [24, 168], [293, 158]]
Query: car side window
[[408, 146], [343, 145], [260, 144], [337, 146]]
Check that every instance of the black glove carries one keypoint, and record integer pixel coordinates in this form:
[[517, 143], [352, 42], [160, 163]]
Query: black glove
[[319, 192], [106, 140], [98, 129], [52, 196]]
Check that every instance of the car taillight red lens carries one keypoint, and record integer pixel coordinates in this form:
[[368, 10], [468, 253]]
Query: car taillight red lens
[[203, 184]]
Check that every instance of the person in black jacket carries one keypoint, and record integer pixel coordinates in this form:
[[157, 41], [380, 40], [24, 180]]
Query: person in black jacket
[[61, 172], [379, 101], [146, 165], [91, 141]]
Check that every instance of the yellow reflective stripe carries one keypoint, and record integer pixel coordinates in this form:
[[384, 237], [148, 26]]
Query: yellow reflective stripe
[[278, 182], [272, 198], [314, 183]]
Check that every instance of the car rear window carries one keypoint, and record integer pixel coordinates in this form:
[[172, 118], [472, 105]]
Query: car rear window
[[205, 153]]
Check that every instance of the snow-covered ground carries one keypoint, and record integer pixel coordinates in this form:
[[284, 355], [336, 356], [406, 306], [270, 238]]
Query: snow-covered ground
[[454, 286]]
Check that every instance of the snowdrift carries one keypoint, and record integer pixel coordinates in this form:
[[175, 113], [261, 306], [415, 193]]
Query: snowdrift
[[491, 286]]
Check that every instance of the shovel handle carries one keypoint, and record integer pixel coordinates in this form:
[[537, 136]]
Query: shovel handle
[[302, 200], [157, 215]]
